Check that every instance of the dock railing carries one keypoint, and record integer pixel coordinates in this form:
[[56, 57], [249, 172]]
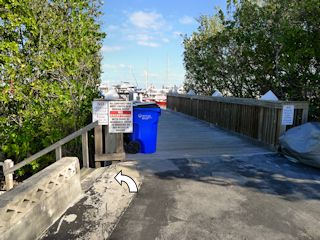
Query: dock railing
[[258, 119], [9, 167]]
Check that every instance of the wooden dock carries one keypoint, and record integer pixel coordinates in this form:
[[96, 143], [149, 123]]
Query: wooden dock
[[258, 119], [182, 136]]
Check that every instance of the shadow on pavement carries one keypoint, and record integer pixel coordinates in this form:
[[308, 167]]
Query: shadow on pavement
[[271, 174]]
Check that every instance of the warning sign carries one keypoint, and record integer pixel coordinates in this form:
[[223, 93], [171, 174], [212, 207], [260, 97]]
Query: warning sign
[[287, 115], [120, 117], [100, 112]]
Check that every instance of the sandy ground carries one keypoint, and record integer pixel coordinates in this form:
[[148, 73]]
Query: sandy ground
[[100, 208]]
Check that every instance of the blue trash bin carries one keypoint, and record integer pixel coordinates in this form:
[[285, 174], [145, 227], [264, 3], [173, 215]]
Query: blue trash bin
[[145, 127]]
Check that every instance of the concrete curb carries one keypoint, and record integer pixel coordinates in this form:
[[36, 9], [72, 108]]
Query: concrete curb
[[30, 208]]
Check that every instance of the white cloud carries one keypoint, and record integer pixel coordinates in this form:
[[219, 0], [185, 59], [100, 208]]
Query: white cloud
[[147, 20], [111, 48], [186, 20], [146, 28], [114, 66], [165, 40], [112, 27], [145, 39], [148, 44]]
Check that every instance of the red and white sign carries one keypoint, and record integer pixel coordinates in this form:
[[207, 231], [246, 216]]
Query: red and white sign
[[120, 117]]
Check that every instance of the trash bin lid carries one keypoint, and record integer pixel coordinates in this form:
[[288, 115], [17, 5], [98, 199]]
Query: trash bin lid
[[145, 105]]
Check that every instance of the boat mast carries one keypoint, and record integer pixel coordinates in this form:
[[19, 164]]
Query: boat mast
[[167, 73], [134, 77], [147, 74]]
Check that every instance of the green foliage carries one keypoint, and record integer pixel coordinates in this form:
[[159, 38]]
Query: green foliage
[[49, 71], [271, 44]]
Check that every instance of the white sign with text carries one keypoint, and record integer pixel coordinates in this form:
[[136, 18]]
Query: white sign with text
[[100, 112], [287, 115], [120, 117]]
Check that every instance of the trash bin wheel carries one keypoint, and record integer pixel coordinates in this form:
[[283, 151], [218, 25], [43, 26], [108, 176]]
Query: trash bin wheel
[[133, 147]]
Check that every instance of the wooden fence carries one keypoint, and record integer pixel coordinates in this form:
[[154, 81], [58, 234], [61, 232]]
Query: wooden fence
[[257, 119]]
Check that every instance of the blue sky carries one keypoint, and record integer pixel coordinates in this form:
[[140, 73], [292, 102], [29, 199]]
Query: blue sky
[[144, 36]]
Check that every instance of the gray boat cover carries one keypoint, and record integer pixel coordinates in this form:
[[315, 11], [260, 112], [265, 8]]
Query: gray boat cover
[[303, 143]]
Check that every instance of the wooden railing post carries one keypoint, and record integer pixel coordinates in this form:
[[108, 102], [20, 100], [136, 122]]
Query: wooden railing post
[[305, 113], [8, 177], [198, 108], [260, 124], [98, 143], [85, 150], [282, 128], [58, 153], [113, 143]]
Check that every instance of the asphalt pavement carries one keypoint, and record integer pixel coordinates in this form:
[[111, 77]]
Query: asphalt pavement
[[206, 183]]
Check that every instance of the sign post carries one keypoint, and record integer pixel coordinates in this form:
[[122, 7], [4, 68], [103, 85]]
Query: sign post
[[113, 141]]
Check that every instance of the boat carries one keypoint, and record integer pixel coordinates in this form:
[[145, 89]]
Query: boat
[[159, 96], [128, 91], [124, 89]]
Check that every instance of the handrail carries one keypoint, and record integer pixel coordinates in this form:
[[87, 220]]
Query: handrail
[[52, 147], [258, 119], [244, 101]]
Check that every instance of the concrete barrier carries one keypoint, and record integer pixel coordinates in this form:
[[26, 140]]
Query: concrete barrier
[[30, 208]]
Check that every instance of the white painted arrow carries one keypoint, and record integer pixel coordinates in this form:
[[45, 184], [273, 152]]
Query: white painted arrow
[[128, 180]]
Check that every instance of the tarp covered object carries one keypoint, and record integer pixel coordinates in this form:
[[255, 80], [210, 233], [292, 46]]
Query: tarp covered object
[[303, 143], [191, 93], [217, 93], [270, 96]]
